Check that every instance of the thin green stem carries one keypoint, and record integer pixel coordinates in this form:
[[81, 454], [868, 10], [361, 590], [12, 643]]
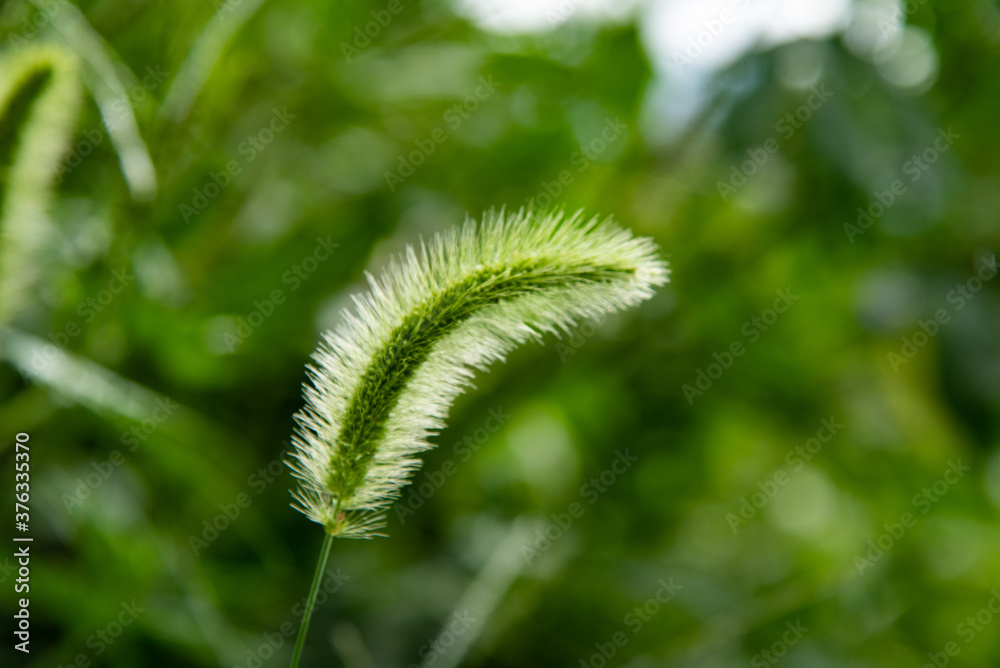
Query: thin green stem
[[324, 555]]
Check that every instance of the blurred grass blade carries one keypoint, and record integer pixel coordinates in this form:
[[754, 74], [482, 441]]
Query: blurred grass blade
[[350, 647], [484, 595], [39, 102], [102, 79], [83, 381], [200, 597], [228, 19], [106, 393]]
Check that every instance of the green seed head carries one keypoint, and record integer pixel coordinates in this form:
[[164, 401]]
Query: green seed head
[[383, 381]]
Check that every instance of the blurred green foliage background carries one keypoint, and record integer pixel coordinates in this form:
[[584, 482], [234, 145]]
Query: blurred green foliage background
[[800, 400]]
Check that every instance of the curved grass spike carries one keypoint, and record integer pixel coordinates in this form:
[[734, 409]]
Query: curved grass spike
[[384, 380], [39, 99]]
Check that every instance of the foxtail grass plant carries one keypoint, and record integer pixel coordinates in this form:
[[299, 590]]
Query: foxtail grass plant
[[39, 99], [383, 382]]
